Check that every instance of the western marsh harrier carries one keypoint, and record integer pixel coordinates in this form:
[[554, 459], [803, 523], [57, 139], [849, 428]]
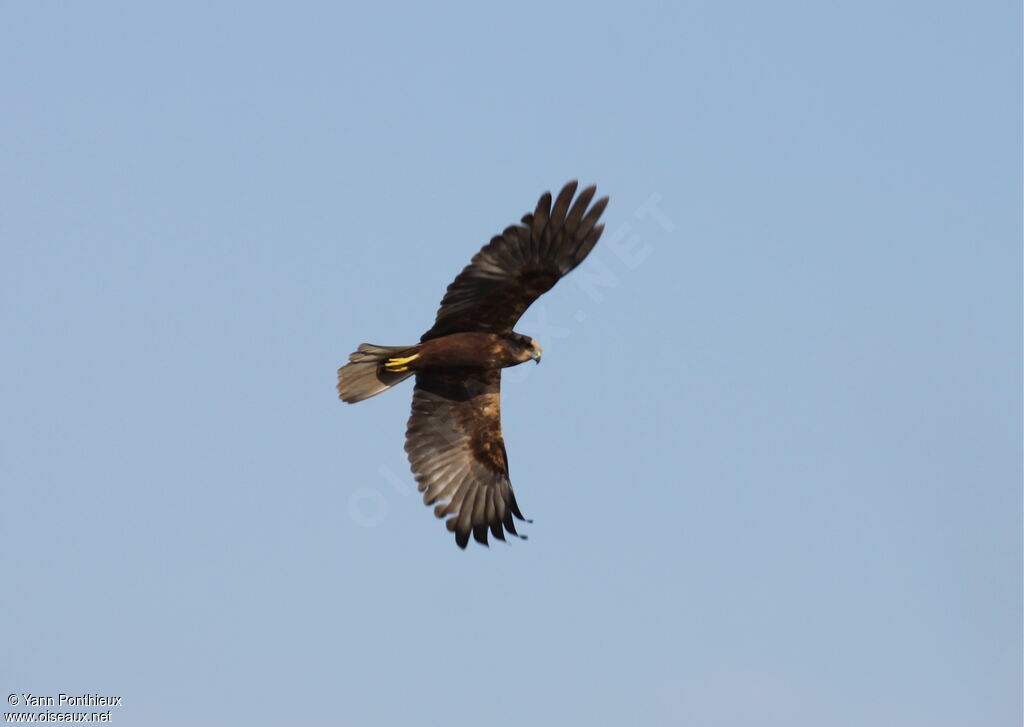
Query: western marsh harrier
[[454, 437]]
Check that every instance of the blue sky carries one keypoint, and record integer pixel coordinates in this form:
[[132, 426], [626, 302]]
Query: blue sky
[[773, 453]]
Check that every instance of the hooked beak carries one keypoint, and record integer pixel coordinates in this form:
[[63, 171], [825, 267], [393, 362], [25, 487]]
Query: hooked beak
[[535, 351]]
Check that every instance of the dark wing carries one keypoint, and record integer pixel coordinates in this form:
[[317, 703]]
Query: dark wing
[[517, 266], [458, 455]]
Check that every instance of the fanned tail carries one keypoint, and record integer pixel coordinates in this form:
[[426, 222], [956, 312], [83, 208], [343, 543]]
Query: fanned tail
[[364, 376]]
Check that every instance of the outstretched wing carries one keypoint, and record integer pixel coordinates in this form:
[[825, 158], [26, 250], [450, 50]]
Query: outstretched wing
[[517, 266], [458, 455]]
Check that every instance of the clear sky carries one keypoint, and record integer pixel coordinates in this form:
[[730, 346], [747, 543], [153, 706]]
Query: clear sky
[[772, 454]]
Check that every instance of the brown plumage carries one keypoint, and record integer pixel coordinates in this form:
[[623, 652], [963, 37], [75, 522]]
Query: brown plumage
[[454, 438]]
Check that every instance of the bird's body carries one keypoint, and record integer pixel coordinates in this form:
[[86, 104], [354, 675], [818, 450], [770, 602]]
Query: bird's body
[[465, 350], [454, 439]]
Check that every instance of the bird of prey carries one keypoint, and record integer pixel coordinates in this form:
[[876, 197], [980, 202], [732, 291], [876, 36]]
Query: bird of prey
[[454, 439]]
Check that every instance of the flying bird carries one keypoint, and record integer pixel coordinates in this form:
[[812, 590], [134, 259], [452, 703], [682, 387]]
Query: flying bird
[[454, 439]]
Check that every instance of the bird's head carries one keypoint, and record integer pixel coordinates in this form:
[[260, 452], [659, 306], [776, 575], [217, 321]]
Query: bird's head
[[527, 348]]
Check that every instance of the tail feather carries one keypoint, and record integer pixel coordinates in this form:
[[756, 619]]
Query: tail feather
[[364, 375]]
